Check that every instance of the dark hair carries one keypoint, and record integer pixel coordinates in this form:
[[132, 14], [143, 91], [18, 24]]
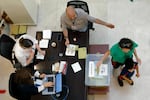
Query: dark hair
[[129, 63], [23, 76], [126, 43], [25, 43]]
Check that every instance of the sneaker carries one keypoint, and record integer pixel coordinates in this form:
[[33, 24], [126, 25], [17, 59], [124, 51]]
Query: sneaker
[[120, 82], [132, 82]]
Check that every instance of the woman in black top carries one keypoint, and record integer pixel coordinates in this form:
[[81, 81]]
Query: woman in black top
[[25, 84]]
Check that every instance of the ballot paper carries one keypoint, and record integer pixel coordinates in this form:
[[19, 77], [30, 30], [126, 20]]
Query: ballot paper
[[70, 50], [43, 43], [47, 34], [39, 56], [97, 72], [76, 67]]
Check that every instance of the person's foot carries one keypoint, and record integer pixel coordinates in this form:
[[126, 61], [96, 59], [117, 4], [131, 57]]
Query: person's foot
[[120, 82], [132, 83], [2, 91]]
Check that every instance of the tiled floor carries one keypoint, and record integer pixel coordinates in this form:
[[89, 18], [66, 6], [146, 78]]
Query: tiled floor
[[131, 20]]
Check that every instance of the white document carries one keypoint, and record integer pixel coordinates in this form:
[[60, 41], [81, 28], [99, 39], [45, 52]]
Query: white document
[[38, 82], [47, 34], [70, 50], [43, 43], [39, 56], [76, 67], [103, 70], [63, 65], [91, 69]]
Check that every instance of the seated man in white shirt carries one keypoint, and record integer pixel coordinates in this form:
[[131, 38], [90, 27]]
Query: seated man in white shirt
[[24, 49]]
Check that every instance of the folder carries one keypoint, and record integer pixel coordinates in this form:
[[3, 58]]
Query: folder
[[82, 52]]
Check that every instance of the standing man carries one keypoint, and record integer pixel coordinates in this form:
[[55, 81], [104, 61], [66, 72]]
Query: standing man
[[77, 19]]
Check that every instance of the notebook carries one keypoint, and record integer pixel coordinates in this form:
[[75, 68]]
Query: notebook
[[57, 79]]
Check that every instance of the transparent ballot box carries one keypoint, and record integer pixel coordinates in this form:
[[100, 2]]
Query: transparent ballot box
[[97, 76]]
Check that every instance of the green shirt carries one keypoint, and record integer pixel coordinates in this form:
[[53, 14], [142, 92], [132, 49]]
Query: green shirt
[[118, 55]]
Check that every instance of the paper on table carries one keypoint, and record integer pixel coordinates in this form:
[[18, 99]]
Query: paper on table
[[76, 67], [63, 67], [47, 34], [82, 52], [39, 56], [43, 43], [70, 50], [38, 82]]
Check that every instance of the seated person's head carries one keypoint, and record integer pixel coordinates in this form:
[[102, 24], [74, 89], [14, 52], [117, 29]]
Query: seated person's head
[[70, 12], [126, 44], [23, 76], [25, 43]]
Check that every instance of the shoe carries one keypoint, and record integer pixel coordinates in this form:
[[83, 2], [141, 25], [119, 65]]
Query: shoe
[[120, 82], [132, 82]]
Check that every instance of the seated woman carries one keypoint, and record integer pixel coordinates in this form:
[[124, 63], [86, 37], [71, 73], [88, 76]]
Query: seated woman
[[25, 87], [24, 50], [128, 71]]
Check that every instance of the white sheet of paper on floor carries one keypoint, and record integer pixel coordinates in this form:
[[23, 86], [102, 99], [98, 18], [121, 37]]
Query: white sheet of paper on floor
[[63, 67], [76, 67]]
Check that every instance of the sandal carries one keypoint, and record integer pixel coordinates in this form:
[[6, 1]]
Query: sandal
[[120, 82]]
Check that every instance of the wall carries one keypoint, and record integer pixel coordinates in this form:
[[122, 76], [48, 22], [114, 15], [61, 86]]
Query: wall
[[21, 11]]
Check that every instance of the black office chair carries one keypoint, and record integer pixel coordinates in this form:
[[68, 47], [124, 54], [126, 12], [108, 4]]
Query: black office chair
[[12, 87], [62, 95], [83, 5], [6, 46], [16, 64], [6, 50]]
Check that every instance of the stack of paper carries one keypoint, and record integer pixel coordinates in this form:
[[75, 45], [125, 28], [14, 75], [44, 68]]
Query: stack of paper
[[63, 67], [76, 67], [60, 67]]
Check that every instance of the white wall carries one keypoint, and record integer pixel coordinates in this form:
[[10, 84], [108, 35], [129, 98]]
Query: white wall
[[21, 11]]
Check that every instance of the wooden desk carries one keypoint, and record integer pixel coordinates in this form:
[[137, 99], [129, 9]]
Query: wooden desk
[[75, 81]]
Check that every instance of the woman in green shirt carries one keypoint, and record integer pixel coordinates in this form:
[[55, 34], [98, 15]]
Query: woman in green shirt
[[122, 50]]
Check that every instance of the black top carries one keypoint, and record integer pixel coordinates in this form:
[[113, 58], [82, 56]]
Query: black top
[[26, 91]]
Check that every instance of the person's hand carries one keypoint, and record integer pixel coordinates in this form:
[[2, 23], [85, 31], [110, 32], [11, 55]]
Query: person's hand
[[110, 25], [67, 42], [99, 63], [137, 75], [43, 52], [139, 61], [42, 75], [48, 84]]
